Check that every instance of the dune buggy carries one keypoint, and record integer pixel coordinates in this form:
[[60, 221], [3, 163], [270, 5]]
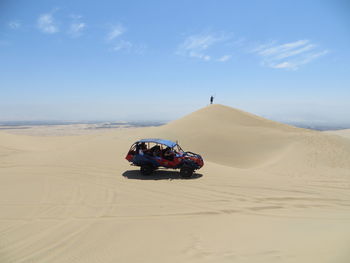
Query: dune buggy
[[151, 154]]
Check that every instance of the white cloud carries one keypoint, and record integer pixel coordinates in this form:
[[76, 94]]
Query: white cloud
[[199, 42], [47, 24], [193, 54], [76, 29], [122, 44], [75, 16], [286, 65], [270, 51], [224, 58], [115, 32], [117, 42], [208, 46], [14, 24], [289, 55], [197, 46]]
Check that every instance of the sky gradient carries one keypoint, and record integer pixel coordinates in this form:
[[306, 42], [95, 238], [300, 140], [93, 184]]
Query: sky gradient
[[159, 60]]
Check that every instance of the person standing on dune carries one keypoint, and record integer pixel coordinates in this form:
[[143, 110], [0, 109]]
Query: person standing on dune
[[211, 99]]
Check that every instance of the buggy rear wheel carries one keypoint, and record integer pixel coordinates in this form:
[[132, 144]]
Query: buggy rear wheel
[[186, 172], [147, 169]]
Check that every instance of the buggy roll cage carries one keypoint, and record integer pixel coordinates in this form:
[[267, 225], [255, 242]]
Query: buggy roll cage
[[172, 145]]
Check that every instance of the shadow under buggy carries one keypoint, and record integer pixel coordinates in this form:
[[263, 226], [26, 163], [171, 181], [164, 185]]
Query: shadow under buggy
[[151, 154]]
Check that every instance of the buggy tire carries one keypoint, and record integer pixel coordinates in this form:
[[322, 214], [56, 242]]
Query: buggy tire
[[186, 172], [147, 169]]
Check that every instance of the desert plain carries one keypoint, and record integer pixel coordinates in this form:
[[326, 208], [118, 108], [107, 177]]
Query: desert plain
[[268, 192]]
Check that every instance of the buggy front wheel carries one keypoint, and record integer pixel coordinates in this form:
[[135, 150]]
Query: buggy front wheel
[[186, 172]]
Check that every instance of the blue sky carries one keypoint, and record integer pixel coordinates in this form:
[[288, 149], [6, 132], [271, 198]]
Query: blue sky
[[159, 60]]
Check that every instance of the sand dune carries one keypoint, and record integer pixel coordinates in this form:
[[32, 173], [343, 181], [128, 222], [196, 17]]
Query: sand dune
[[268, 192], [238, 139]]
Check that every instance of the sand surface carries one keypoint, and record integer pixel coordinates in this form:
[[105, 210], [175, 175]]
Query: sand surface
[[268, 192], [344, 133]]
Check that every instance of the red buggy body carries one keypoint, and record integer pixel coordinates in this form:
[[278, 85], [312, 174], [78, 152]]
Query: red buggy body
[[151, 154]]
